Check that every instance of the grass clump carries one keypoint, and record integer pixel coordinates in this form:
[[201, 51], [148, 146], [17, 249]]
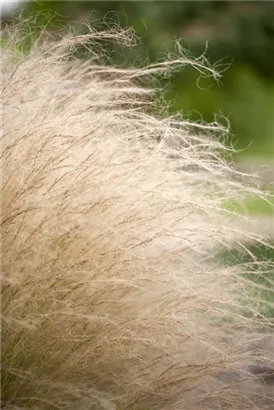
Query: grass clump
[[108, 236]]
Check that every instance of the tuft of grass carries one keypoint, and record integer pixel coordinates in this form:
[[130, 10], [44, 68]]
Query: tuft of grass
[[108, 234]]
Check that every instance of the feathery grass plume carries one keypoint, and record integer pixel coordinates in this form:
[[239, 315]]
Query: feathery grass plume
[[111, 218]]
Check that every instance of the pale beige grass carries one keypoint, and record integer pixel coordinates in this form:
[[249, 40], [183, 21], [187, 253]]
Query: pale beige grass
[[111, 217]]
